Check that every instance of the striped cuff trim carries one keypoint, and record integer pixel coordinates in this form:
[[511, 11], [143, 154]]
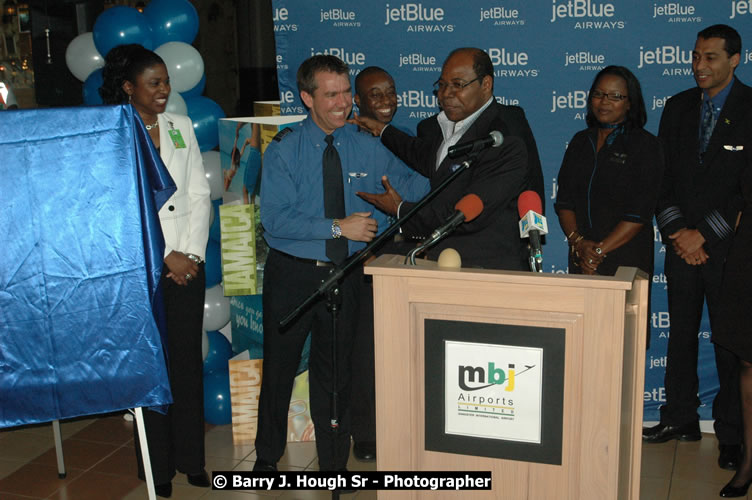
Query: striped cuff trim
[[667, 216], [718, 224]]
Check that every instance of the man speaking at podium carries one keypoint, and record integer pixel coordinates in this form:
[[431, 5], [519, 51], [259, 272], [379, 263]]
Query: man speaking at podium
[[497, 176]]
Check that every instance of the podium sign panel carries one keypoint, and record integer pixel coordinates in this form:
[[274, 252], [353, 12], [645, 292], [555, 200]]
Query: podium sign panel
[[494, 390]]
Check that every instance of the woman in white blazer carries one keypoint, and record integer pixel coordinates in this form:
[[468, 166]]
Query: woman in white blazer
[[135, 75]]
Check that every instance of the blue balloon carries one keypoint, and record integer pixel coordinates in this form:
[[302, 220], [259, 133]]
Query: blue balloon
[[197, 90], [172, 21], [220, 351], [91, 88], [205, 114], [215, 232], [213, 266], [217, 407], [121, 25]]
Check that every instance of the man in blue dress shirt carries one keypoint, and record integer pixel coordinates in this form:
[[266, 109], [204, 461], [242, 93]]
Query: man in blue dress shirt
[[297, 230]]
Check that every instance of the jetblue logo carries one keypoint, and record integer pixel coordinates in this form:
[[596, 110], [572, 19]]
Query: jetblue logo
[[675, 12], [587, 61], [423, 19], [419, 62], [748, 57], [516, 61], [280, 18], [668, 54], [339, 18], [350, 58], [286, 99], [501, 16], [574, 99], [416, 99], [741, 8], [601, 13]]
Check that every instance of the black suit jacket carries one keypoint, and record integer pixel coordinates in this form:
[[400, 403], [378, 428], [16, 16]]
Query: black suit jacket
[[498, 176], [705, 195]]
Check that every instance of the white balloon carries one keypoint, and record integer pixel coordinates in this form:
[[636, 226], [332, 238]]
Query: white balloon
[[204, 345], [184, 65], [213, 169], [216, 308], [176, 104], [82, 57]]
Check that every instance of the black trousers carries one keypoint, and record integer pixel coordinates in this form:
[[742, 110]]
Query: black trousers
[[176, 440], [363, 369], [287, 282], [688, 287]]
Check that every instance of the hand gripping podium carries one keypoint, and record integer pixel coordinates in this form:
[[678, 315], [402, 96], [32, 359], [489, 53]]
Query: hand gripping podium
[[537, 378]]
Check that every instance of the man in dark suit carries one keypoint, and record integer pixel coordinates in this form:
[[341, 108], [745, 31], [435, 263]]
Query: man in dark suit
[[703, 130], [498, 175]]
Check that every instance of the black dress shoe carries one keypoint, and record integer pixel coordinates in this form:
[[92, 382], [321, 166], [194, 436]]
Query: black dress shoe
[[262, 465], [729, 456], [365, 451], [729, 491], [201, 479], [662, 433], [163, 490]]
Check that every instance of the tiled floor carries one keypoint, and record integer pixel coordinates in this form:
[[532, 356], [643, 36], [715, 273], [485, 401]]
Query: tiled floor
[[101, 465]]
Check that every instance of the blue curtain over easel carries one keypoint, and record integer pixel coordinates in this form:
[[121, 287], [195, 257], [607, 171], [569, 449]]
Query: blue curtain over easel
[[80, 190]]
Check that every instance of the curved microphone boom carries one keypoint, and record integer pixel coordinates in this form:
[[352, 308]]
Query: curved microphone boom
[[493, 140], [532, 225], [467, 209]]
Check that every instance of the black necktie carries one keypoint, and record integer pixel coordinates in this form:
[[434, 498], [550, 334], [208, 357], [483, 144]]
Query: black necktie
[[334, 199]]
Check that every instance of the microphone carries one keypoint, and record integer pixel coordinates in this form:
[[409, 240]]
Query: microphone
[[467, 209], [493, 140], [532, 225]]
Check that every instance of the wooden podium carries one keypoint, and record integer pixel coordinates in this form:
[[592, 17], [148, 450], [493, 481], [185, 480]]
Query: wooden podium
[[589, 333]]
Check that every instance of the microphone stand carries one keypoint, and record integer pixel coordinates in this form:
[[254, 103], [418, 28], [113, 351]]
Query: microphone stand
[[330, 287]]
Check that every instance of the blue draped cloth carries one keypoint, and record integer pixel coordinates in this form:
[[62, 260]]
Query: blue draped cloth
[[80, 191]]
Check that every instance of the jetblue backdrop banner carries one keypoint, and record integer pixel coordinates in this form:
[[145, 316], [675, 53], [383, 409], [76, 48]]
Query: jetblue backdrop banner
[[546, 54]]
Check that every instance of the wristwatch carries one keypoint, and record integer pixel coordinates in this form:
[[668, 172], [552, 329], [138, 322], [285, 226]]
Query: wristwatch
[[194, 258], [336, 230]]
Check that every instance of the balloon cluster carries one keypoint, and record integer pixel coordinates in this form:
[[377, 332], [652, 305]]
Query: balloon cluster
[[168, 27]]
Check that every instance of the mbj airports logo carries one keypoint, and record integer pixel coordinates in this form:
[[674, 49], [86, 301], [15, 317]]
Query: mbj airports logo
[[418, 17], [675, 12], [339, 18], [584, 60], [587, 14], [501, 16], [667, 55], [471, 379], [282, 22], [509, 64]]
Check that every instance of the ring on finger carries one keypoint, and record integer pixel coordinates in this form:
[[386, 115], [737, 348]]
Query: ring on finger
[[189, 276], [590, 261]]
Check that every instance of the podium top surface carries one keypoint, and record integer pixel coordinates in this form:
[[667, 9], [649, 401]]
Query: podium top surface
[[393, 265]]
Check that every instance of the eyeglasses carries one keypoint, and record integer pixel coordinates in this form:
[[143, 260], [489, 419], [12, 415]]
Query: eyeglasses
[[613, 96], [454, 86]]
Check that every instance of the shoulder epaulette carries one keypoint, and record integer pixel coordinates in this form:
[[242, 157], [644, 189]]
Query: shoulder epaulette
[[282, 133]]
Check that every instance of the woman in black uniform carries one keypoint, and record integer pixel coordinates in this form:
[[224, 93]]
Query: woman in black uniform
[[733, 330], [609, 180]]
